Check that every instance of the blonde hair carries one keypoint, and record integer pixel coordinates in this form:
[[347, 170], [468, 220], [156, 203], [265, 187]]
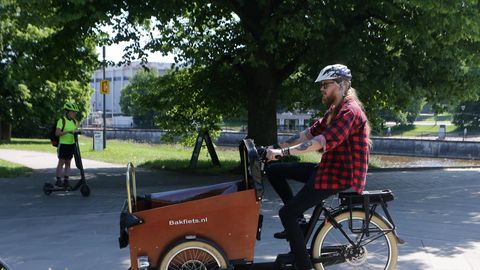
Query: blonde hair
[[352, 93]]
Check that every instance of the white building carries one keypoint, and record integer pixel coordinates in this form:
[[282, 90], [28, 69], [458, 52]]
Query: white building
[[119, 77], [293, 121]]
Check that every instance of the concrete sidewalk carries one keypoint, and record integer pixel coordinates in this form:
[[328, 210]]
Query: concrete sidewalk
[[437, 212], [42, 160]]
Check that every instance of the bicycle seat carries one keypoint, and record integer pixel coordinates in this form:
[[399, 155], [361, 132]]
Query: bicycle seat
[[375, 196]]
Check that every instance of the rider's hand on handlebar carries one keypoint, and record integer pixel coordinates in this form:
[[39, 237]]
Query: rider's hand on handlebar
[[274, 154]]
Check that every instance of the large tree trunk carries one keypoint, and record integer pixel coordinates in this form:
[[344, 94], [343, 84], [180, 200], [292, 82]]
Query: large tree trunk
[[5, 131], [262, 108]]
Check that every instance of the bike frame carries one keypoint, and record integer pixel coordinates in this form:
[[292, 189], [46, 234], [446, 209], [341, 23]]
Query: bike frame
[[367, 207]]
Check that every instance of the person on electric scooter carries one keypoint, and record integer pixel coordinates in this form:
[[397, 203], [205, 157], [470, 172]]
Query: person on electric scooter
[[343, 138], [66, 127]]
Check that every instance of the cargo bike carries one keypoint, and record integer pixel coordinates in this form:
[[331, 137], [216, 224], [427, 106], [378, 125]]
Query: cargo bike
[[216, 226]]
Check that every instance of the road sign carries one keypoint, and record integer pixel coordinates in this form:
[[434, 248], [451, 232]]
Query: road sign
[[104, 87]]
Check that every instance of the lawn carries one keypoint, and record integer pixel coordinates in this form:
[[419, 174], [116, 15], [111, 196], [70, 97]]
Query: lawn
[[10, 170], [154, 156], [423, 130]]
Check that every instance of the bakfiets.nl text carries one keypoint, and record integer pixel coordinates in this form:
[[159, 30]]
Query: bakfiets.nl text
[[187, 221]]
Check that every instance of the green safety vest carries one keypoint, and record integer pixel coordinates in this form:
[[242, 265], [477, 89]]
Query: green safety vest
[[70, 125]]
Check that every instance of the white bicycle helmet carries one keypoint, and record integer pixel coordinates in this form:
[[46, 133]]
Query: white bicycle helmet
[[332, 72]]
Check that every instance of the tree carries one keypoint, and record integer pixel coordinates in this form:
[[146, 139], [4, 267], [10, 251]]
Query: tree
[[141, 84], [183, 102], [405, 117], [467, 114], [42, 65], [399, 50]]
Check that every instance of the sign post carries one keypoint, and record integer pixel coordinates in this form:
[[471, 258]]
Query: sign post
[[203, 135], [105, 87], [97, 141]]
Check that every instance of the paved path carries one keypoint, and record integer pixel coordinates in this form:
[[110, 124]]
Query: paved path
[[41, 160], [437, 213]]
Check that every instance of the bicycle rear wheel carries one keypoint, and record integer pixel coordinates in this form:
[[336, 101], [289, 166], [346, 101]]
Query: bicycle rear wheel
[[377, 251]]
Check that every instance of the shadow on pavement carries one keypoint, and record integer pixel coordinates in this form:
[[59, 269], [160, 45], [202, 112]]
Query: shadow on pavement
[[436, 212]]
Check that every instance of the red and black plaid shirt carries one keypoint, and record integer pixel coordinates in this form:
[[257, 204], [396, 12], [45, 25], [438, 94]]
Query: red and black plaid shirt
[[344, 162]]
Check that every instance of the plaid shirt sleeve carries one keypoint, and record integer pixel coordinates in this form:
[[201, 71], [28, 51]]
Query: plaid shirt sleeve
[[317, 128], [339, 129]]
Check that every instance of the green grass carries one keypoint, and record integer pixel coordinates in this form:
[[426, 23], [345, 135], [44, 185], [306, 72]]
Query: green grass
[[421, 130], [11, 170], [234, 124], [432, 118], [154, 156]]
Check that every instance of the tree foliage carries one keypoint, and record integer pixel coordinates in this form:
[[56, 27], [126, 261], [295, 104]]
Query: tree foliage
[[467, 114], [399, 51], [406, 117], [181, 101], [42, 64], [132, 96]]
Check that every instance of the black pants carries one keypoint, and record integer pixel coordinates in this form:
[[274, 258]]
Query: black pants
[[295, 206]]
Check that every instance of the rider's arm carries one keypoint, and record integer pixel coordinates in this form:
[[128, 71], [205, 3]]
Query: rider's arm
[[315, 144], [305, 147], [294, 140]]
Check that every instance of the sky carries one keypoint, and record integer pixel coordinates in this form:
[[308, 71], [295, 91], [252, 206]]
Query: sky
[[114, 53]]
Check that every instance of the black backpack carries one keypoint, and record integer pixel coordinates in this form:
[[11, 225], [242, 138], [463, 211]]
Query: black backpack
[[54, 139]]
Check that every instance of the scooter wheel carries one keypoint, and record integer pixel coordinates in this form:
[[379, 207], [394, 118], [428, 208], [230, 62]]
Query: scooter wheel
[[47, 188], [85, 190]]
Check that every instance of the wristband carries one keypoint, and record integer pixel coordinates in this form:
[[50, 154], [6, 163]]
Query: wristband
[[286, 151], [276, 146]]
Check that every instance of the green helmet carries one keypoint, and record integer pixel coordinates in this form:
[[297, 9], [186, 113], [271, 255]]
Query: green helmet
[[70, 106]]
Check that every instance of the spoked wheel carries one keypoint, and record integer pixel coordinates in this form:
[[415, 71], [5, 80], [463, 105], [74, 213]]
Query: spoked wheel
[[47, 188], [193, 255], [377, 251]]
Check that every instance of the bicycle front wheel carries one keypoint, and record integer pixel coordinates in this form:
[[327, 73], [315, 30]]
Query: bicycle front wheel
[[194, 255], [378, 250]]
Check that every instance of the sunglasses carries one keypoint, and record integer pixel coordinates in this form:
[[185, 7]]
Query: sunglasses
[[324, 85]]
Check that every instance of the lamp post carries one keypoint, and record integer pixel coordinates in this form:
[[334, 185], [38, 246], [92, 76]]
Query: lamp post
[[104, 101], [463, 122]]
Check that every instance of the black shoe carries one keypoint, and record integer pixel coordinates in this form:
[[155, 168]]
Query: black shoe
[[66, 183], [284, 261], [283, 234], [59, 183]]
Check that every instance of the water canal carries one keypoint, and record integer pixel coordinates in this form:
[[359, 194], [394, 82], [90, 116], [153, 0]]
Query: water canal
[[386, 161]]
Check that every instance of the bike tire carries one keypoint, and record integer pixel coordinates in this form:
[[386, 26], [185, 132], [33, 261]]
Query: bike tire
[[386, 247], [194, 255]]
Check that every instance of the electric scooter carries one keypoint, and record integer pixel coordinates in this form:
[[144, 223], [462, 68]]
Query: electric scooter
[[81, 184]]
